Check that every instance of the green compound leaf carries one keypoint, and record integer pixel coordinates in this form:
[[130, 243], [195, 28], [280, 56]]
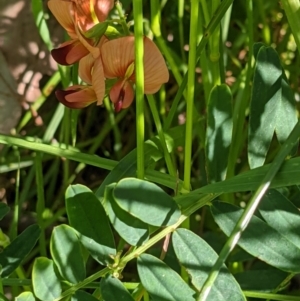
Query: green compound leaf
[[16, 252], [219, 132], [197, 257], [161, 282], [66, 253], [130, 228], [272, 101], [46, 285], [282, 215], [259, 239], [88, 217], [113, 289], [146, 201]]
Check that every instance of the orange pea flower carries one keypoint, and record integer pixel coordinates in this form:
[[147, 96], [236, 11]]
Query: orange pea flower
[[118, 62], [75, 16]]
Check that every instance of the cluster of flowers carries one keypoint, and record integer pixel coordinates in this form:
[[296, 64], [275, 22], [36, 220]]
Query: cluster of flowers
[[106, 63]]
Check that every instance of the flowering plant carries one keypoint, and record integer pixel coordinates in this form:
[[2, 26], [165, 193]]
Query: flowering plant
[[102, 56]]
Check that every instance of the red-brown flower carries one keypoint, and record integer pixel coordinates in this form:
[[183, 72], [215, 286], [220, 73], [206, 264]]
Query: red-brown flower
[[77, 16]]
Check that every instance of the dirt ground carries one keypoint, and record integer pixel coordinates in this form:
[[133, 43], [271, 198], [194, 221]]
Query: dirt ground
[[24, 59]]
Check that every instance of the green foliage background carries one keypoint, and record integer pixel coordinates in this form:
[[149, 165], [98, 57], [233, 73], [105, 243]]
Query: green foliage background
[[190, 194]]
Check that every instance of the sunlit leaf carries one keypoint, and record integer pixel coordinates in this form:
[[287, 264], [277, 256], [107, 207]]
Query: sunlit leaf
[[46, 285], [146, 201], [66, 253], [198, 258], [259, 239], [88, 217], [161, 282]]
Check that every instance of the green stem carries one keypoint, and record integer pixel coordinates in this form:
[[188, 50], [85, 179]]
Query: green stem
[[40, 206], [190, 93], [180, 28], [122, 17], [14, 226], [155, 26], [161, 135], [220, 12], [215, 48], [242, 99], [139, 72], [249, 211]]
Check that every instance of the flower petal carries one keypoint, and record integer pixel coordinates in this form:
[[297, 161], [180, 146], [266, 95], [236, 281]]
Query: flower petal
[[117, 55], [76, 97], [155, 69], [102, 8], [63, 11], [69, 52], [85, 68], [84, 14], [121, 94], [98, 80]]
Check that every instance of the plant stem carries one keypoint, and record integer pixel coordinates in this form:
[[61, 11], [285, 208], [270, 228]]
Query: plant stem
[[139, 71], [190, 94]]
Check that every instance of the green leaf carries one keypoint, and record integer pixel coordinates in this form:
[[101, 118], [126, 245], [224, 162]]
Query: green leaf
[[82, 296], [282, 215], [259, 239], [113, 289], [266, 96], [162, 283], [4, 209], [130, 228], [16, 252], [197, 257], [97, 31], [26, 296], [88, 217], [264, 280], [285, 108], [288, 175], [146, 201], [152, 153], [46, 285], [219, 132], [66, 252]]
